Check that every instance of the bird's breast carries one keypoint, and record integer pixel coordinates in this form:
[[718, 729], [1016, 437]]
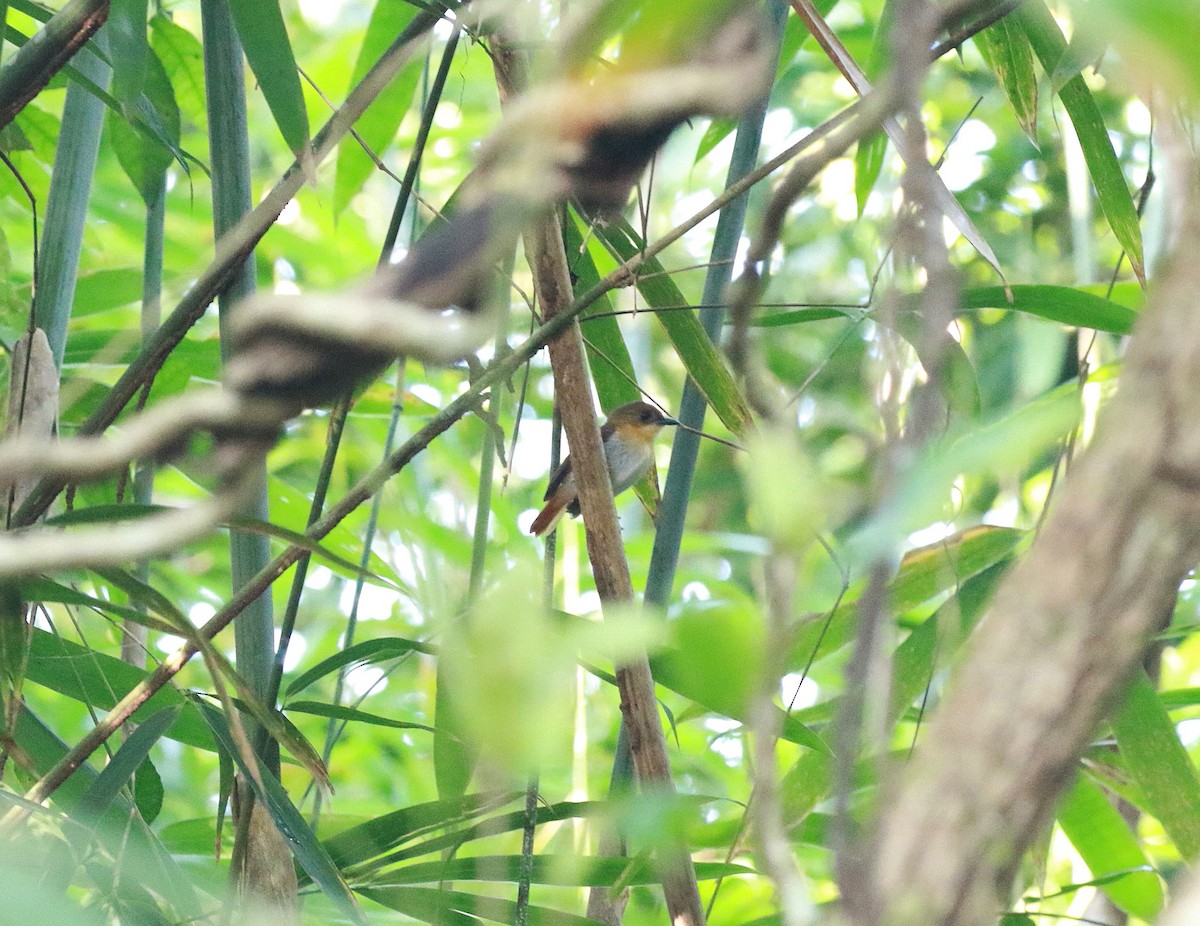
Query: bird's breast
[[628, 461]]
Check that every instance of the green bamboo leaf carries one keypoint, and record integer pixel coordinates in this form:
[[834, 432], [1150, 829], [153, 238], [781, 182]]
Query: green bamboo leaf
[[1007, 51], [563, 870], [1159, 764], [1104, 841], [150, 598], [99, 680], [129, 47], [438, 906], [378, 125], [148, 791], [124, 764], [427, 842], [871, 152], [144, 156], [140, 114], [1084, 49], [1178, 698], [308, 850], [1061, 304], [1064, 304], [365, 653], [608, 356], [354, 715], [718, 130], [924, 573], [868, 164], [103, 290], [142, 858], [32, 9], [1111, 189], [382, 834], [295, 538], [277, 724], [1076, 886], [269, 52], [695, 350], [182, 57]]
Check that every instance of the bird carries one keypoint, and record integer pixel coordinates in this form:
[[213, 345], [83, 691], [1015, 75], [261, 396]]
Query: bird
[[628, 440]]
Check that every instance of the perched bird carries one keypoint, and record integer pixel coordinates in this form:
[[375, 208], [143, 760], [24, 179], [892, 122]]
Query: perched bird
[[628, 441]]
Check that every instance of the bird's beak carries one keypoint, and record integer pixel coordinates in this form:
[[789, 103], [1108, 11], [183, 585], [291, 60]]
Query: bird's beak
[[668, 421]]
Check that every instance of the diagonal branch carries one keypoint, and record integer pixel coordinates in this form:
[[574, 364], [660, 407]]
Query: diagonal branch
[[39, 59]]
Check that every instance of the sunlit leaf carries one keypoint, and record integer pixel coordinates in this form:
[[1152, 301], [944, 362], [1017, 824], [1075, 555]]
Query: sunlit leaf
[[378, 125], [1105, 842], [1111, 189], [1006, 49], [1159, 764]]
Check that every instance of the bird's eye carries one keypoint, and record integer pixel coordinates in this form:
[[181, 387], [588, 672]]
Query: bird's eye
[[647, 416]]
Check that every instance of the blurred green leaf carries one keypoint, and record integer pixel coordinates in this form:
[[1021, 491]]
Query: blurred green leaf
[[364, 653], [567, 870], [923, 574], [377, 127], [608, 357], [1106, 844], [1111, 189], [99, 680], [1157, 34], [1056, 303], [125, 762], [1159, 764], [143, 157], [868, 163], [353, 715], [182, 59], [129, 47], [385, 833], [1006, 49], [269, 52], [452, 907]]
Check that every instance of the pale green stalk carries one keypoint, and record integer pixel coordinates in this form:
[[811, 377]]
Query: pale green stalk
[[229, 143]]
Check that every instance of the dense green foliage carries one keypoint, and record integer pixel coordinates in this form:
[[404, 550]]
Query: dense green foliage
[[417, 589]]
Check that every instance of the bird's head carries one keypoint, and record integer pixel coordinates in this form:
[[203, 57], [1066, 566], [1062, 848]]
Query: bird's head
[[639, 420]]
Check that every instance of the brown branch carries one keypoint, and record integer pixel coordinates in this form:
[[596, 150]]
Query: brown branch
[[44, 55], [1064, 632], [606, 550]]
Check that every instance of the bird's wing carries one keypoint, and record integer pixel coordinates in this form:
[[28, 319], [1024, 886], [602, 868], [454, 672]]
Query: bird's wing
[[560, 476]]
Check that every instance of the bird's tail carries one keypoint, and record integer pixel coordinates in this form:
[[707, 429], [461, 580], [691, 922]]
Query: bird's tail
[[549, 515]]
